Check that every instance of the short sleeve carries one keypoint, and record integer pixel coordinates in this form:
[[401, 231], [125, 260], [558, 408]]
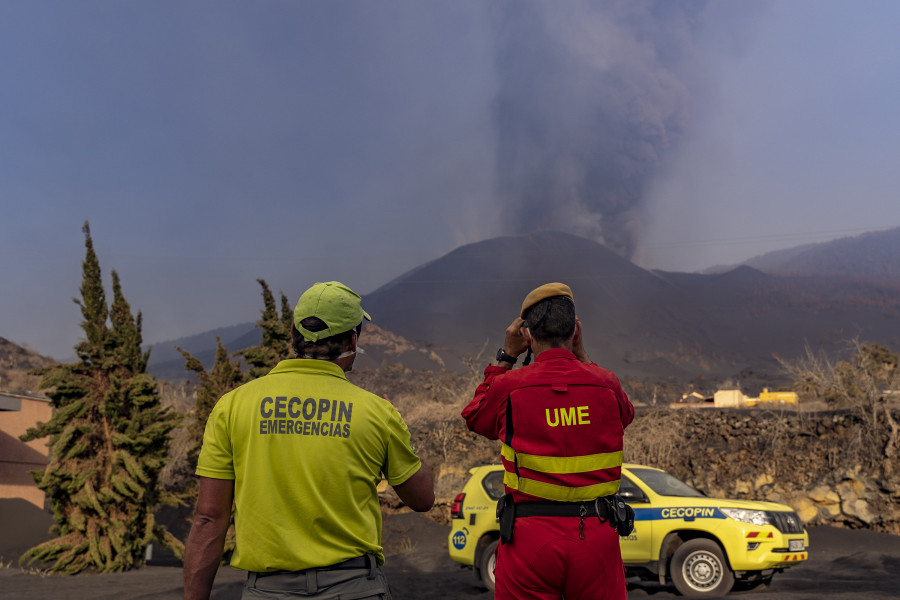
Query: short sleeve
[[402, 461], [216, 458]]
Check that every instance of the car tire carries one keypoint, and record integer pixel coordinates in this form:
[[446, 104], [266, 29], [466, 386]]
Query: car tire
[[487, 563], [699, 570]]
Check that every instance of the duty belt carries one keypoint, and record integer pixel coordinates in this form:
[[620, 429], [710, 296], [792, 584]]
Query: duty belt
[[609, 509], [550, 508]]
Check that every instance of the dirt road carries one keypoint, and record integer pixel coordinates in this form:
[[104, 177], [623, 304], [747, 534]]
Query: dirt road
[[844, 565]]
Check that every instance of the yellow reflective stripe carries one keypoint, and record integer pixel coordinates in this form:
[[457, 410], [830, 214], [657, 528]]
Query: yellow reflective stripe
[[511, 480], [559, 493], [563, 464]]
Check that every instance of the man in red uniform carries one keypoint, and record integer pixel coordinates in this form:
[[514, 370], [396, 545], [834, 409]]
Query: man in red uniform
[[561, 421]]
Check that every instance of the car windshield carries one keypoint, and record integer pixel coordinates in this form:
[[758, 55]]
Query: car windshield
[[664, 484]]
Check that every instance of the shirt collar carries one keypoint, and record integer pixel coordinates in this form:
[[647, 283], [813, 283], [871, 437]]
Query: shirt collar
[[554, 353], [309, 366]]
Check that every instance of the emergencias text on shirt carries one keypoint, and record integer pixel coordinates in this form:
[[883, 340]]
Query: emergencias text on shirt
[[324, 417]]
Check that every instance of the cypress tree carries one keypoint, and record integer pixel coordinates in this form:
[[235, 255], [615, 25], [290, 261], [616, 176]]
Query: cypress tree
[[223, 376], [275, 343], [109, 439], [287, 318]]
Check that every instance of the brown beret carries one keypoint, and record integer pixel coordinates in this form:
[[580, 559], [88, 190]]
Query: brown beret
[[548, 290]]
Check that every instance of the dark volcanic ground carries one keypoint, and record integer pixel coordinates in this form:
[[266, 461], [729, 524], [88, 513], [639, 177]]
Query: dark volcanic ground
[[844, 564]]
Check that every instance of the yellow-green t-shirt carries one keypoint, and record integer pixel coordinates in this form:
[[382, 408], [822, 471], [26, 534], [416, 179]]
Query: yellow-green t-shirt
[[306, 449]]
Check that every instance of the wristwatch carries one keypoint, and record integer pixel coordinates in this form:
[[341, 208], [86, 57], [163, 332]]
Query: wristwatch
[[504, 357]]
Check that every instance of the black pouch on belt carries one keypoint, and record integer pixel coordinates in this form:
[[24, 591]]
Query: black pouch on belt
[[506, 514], [624, 516], [617, 512]]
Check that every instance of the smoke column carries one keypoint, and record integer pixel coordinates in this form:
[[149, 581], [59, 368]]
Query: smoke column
[[589, 98]]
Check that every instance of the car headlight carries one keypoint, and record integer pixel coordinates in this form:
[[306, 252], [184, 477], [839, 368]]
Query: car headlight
[[754, 517]]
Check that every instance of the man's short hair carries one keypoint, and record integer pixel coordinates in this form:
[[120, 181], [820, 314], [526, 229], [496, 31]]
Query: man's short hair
[[328, 348], [551, 321]]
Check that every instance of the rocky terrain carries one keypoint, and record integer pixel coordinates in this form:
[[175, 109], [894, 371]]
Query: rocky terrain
[[833, 467]]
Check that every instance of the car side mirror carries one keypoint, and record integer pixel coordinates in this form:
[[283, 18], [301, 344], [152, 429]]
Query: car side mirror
[[636, 496]]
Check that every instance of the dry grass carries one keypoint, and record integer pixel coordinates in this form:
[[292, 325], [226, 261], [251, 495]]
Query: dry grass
[[431, 402], [656, 438], [406, 546], [177, 476], [4, 564], [180, 396], [424, 398]]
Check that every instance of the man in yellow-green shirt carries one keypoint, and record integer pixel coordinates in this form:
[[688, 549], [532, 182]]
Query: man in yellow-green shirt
[[300, 453]]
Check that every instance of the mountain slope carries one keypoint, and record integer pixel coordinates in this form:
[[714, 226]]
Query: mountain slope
[[166, 362], [468, 297], [16, 363], [636, 322], [873, 255]]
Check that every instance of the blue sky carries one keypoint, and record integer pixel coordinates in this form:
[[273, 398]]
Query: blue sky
[[214, 143]]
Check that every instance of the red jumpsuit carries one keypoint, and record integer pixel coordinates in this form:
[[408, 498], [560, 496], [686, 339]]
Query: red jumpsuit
[[562, 423]]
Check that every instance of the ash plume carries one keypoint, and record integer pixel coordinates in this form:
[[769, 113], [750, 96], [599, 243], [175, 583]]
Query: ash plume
[[589, 98]]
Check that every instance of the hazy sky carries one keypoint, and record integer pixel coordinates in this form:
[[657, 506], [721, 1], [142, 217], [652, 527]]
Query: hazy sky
[[214, 143]]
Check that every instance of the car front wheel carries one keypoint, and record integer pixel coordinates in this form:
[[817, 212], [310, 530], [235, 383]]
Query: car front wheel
[[699, 570], [488, 562]]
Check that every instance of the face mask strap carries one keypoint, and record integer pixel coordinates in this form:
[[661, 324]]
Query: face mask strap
[[356, 330]]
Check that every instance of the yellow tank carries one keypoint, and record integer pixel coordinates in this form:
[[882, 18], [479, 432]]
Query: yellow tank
[[778, 397]]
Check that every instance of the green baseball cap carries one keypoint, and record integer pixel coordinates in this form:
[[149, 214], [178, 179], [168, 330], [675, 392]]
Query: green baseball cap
[[337, 305]]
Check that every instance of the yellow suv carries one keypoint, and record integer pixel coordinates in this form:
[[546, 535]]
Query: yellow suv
[[701, 545]]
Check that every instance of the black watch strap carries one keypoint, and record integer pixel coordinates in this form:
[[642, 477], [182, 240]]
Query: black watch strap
[[504, 357]]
